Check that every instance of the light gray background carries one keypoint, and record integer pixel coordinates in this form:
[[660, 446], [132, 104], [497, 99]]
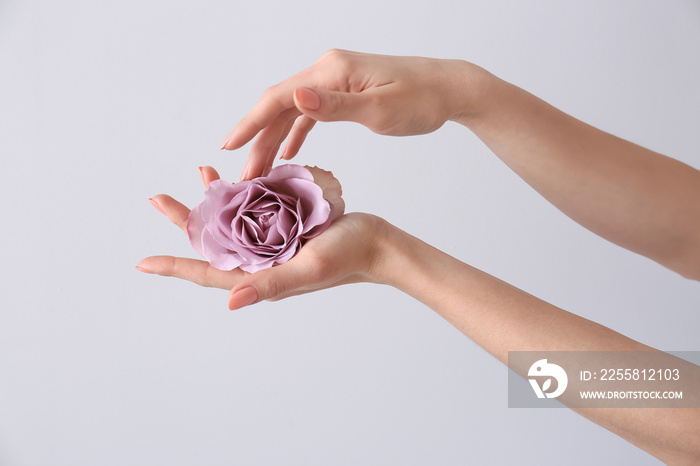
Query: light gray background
[[106, 103]]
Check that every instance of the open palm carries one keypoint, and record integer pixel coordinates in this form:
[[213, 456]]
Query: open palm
[[342, 254]]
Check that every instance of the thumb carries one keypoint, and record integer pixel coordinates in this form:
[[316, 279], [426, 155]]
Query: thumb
[[275, 282], [323, 105]]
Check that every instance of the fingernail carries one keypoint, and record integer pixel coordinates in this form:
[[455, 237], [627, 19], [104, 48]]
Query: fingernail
[[201, 175], [225, 143], [157, 206], [243, 297], [246, 169], [308, 98], [283, 153], [142, 269]]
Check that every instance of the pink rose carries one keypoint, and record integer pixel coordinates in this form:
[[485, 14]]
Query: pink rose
[[265, 221]]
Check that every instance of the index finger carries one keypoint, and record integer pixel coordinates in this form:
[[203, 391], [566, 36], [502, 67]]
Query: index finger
[[275, 100]]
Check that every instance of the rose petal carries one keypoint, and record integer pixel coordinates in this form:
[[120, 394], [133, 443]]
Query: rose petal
[[332, 190], [288, 224], [289, 170], [222, 223], [217, 255], [314, 210], [195, 226], [218, 195], [274, 239]]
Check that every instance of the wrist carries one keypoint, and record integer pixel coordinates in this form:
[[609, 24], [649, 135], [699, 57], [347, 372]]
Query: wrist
[[472, 91], [371, 256], [387, 253], [399, 259], [376, 265]]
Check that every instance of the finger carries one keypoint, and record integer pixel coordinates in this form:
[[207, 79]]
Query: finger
[[274, 101], [307, 289], [266, 145], [275, 282], [325, 105], [174, 210], [193, 270], [332, 69], [271, 158], [297, 135], [280, 282], [285, 134], [262, 115], [208, 175]]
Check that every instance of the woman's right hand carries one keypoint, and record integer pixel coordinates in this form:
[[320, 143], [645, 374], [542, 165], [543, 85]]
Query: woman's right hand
[[397, 96], [347, 252]]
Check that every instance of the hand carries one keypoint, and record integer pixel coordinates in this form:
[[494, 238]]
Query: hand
[[395, 96], [344, 253]]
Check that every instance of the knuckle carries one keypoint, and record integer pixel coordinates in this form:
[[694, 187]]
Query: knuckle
[[269, 92], [340, 61], [336, 102], [332, 52], [380, 120], [176, 268], [272, 288], [262, 145], [207, 279]]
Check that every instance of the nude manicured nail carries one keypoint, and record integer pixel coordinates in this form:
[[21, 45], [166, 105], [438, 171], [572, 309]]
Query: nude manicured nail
[[201, 175], [225, 143], [157, 206], [246, 170], [243, 297], [308, 98], [143, 269]]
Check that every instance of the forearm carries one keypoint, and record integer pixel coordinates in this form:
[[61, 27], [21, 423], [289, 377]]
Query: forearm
[[494, 314], [634, 197], [501, 318]]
